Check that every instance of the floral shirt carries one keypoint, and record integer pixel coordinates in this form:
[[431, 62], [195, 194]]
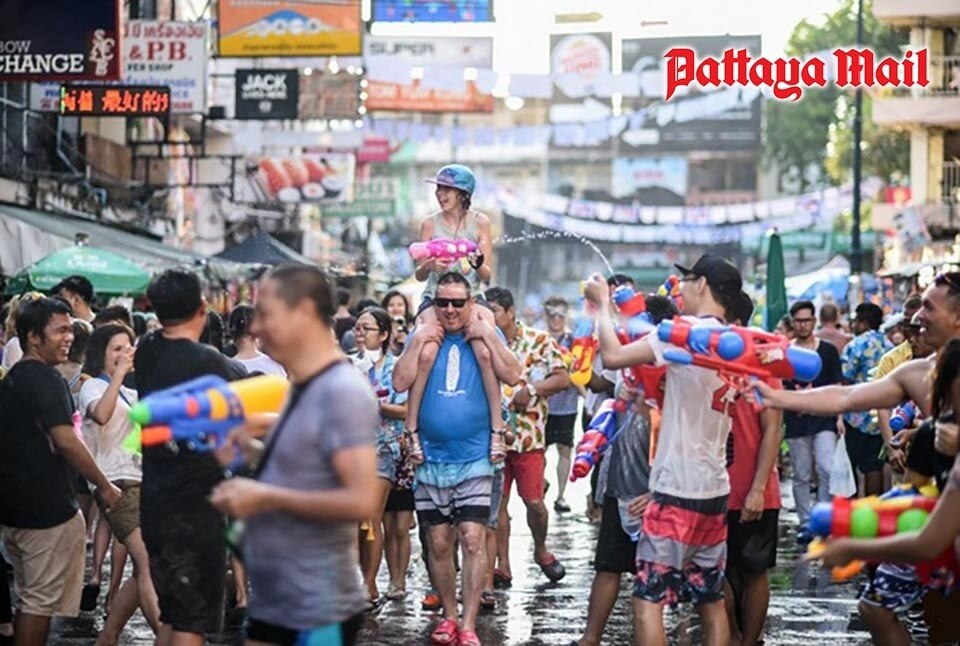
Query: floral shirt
[[539, 355], [860, 357]]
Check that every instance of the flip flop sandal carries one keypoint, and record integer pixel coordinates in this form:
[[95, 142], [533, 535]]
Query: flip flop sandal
[[396, 594], [88, 600], [469, 638], [552, 568], [446, 633], [501, 579], [488, 600]]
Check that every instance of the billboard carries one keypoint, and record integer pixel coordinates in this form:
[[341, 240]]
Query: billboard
[[453, 52], [575, 62], [266, 94], [735, 129], [650, 180], [322, 178], [255, 28], [329, 96], [432, 11], [60, 40], [172, 54]]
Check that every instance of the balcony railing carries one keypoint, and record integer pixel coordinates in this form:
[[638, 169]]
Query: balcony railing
[[951, 182], [944, 75]]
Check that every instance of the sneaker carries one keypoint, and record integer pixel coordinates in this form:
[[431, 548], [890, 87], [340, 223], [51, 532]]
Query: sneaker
[[561, 506]]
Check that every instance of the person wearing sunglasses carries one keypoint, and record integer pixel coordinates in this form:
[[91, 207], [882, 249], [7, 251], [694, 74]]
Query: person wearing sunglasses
[[456, 220], [454, 484]]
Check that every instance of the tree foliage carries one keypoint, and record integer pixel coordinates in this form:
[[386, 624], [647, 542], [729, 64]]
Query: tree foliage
[[816, 133]]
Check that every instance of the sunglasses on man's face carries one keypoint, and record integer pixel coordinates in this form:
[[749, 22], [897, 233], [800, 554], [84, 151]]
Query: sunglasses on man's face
[[442, 303]]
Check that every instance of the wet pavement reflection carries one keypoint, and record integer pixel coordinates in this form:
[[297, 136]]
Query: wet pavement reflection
[[805, 607]]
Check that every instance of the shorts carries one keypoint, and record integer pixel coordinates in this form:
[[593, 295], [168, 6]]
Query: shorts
[[496, 497], [527, 469], [427, 302], [48, 567], [894, 587], [342, 634], [663, 584], [388, 460], [188, 562], [468, 501], [400, 500], [560, 429], [616, 551], [863, 449], [83, 487], [752, 547], [124, 518]]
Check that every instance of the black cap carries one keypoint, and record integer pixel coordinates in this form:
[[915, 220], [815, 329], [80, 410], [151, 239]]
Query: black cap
[[720, 273]]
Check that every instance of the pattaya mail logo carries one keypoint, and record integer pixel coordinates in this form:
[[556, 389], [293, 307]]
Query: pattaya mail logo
[[787, 78]]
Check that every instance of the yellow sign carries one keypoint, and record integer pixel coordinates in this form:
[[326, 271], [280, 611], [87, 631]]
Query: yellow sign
[[252, 28]]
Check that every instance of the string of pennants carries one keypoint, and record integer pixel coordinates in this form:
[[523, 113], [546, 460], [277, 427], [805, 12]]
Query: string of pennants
[[588, 133]]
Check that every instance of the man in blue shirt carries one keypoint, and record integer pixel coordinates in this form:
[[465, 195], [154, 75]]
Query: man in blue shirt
[[454, 483], [859, 359]]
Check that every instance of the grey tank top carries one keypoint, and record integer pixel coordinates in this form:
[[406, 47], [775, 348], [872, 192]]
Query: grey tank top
[[467, 231]]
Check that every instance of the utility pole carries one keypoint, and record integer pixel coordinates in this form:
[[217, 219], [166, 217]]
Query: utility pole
[[856, 252]]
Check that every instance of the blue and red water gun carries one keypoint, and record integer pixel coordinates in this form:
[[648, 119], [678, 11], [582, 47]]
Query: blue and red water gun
[[903, 416], [598, 436], [737, 353]]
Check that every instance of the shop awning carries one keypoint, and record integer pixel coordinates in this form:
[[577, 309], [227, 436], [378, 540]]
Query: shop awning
[[262, 248], [27, 236]]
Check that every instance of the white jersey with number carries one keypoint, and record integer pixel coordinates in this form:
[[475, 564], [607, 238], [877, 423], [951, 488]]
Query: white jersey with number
[[690, 461]]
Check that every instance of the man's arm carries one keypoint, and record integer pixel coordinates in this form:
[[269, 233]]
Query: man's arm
[[505, 365], [353, 501], [556, 381], [78, 456], [833, 400], [771, 422], [405, 369], [616, 356]]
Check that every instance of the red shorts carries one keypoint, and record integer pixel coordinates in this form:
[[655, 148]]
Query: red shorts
[[527, 470]]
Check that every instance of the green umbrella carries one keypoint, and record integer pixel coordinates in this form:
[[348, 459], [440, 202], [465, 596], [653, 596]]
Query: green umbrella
[[109, 273], [776, 283]]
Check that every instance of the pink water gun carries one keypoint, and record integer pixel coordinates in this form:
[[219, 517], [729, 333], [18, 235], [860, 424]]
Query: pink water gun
[[443, 248]]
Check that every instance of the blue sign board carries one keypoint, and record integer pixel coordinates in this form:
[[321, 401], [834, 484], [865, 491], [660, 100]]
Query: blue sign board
[[432, 11]]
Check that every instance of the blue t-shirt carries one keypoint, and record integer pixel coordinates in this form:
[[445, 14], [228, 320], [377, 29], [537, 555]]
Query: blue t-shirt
[[454, 419]]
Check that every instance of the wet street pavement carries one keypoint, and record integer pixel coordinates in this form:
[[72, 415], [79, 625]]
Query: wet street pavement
[[805, 608]]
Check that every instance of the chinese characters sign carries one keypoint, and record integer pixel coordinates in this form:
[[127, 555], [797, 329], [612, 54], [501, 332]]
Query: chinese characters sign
[[118, 101]]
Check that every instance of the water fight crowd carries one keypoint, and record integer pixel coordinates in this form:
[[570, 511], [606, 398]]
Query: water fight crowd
[[400, 418]]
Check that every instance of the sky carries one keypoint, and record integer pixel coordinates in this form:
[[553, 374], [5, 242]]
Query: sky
[[521, 33]]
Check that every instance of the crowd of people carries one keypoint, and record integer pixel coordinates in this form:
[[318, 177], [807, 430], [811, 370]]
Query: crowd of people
[[401, 418]]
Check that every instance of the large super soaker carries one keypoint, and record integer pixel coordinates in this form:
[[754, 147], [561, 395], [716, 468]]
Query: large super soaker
[[201, 412], [738, 354], [901, 509], [443, 249], [598, 436]]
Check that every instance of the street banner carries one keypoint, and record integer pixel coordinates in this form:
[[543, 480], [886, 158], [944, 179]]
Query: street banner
[[445, 53], [651, 180], [267, 94], [432, 11], [59, 40], [736, 128], [172, 54], [315, 177], [256, 28], [329, 96]]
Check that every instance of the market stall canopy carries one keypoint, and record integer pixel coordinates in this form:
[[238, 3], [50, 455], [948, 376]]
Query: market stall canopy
[[26, 236], [832, 278], [109, 273], [262, 248]]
